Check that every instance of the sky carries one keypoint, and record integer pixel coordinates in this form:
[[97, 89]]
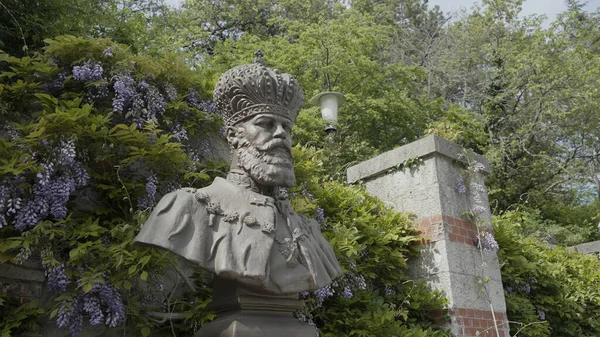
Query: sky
[[550, 8]]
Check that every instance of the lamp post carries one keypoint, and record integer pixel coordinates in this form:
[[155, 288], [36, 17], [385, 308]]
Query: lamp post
[[329, 102]]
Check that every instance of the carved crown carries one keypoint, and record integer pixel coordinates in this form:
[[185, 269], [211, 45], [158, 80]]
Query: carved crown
[[252, 89]]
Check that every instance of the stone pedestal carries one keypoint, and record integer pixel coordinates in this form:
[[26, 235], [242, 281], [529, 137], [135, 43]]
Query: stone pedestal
[[450, 259], [242, 313]]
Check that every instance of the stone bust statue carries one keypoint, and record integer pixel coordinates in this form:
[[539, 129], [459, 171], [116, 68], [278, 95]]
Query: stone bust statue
[[238, 227]]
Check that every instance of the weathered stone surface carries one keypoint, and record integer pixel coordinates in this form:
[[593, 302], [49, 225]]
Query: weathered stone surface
[[244, 314], [450, 259], [15, 272], [421, 148], [588, 248]]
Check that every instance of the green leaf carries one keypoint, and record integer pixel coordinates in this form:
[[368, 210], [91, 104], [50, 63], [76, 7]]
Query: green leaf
[[88, 286]]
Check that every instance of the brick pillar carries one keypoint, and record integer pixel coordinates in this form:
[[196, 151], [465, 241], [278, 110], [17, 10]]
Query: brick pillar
[[450, 259]]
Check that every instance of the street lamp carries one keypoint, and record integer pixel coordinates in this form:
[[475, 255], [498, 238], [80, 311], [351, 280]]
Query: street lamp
[[329, 102]]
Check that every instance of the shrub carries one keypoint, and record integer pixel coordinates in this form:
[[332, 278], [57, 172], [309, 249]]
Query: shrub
[[375, 297], [549, 291]]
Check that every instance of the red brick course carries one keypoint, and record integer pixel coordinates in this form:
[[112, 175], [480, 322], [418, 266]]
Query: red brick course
[[439, 227], [472, 322]]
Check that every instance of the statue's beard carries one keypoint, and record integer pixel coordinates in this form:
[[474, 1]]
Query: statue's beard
[[269, 164]]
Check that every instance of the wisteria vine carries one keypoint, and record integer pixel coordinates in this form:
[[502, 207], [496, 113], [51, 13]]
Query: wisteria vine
[[65, 167]]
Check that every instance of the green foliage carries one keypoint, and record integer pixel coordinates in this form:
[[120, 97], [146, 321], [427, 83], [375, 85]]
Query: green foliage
[[209, 22], [550, 291], [127, 160], [141, 24], [573, 225], [350, 54], [460, 126], [18, 319], [372, 243]]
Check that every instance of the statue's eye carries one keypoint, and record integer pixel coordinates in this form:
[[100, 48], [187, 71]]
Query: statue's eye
[[265, 123]]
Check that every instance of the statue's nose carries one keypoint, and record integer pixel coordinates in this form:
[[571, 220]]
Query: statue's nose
[[280, 132]]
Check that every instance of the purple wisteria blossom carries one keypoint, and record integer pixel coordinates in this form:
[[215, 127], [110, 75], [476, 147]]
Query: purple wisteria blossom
[[320, 216], [70, 316], [322, 294], [148, 201], [155, 101], [142, 106], [206, 105], [124, 87], [306, 193], [57, 278], [170, 186], [10, 202], [66, 152], [487, 242], [12, 132], [541, 314], [96, 93], [478, 167], [170, 92], [179, 133], [88, 72], [108, 52], [91, 305], [56, 84], [347, 293], [461, 188], [52, 187], [479, 210], [283, 193], [33, 211], [102, 303], [360, 282], [57, 193]]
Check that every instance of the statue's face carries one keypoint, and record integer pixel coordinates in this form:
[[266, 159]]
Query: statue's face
[[263, 145]]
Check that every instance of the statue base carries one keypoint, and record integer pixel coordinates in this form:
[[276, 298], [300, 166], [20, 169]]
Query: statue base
[[244, 313]]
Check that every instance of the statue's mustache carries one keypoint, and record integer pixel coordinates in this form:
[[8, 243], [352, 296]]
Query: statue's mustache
[[275, 144]]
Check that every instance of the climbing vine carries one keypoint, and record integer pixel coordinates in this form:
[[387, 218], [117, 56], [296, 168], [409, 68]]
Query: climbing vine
[[92, 136]]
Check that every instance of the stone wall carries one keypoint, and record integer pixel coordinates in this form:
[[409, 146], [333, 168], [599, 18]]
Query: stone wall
[[25, 281], [592, 248]]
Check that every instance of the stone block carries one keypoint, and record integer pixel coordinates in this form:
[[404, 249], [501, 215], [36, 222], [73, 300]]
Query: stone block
[[22, 273], [587, 248], [26, 290], [421, 148]]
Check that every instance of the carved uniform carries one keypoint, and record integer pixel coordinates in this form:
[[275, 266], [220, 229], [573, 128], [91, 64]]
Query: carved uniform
[[240, 234]]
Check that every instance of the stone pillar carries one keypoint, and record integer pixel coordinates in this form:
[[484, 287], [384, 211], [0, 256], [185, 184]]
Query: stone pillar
[[424, 178]]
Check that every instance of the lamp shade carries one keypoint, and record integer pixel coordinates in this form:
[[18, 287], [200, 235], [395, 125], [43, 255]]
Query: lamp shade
[[329, 102]]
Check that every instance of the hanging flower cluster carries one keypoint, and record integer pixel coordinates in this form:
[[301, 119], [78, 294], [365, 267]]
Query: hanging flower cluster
[[57, 179], [102, 303], [467, 183]]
